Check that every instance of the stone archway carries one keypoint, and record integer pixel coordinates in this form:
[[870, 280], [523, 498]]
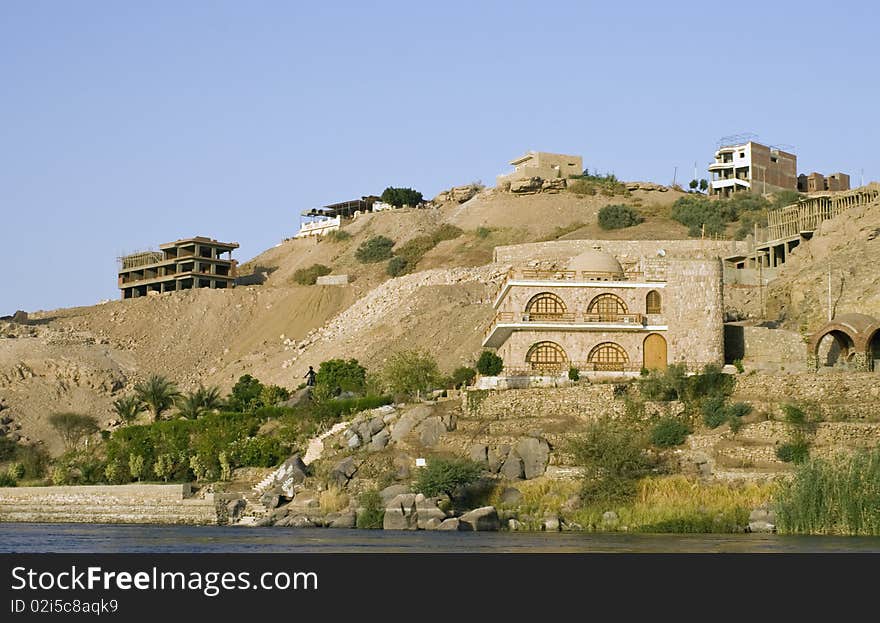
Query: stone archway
[[874, 351]]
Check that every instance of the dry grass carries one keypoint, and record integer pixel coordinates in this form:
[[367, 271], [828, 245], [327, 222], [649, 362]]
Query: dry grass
[[333, 500]]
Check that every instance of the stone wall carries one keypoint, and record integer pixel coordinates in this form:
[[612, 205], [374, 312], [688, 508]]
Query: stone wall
[[862, 388], [134, 503], [693, 309], [765, 348], [332, 280], [624, 250]]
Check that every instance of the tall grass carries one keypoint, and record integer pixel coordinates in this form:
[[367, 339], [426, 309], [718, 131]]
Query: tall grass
[[836, 496]]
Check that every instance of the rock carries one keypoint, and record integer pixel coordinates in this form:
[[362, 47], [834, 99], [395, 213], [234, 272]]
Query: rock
[[234, 509], [292, 470], [571, 504], [304, 500], [377, 424], [511, 496], [527, 185], [453, 523], [409, 420], [401, 513], [379, 441], [483, 519], [762, 519], [761, 526], [513, 525], [430, 431], [299, 397], [513, 467], [535, 454], [427, 510], [479, 452], [270, 500], [610, 518], [300, 521], [352, 441], [389, 493], [496, 457], [344, 520], [550, 523], [433, 524], [343, 471]]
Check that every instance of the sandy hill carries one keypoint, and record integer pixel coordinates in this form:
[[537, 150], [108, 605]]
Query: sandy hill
[[83, 358]]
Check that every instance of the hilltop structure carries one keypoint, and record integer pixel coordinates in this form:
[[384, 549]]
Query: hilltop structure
[[180, 265], [543, 165], [816, 182], [742, 165], [600, 318]]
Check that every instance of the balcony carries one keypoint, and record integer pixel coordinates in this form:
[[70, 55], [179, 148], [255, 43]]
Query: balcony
[[506, 323]]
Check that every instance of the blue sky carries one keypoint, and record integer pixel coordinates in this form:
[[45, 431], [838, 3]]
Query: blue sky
[[124, 125]]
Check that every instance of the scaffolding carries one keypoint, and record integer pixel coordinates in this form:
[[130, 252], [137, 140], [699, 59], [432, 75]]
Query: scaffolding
[[140, 258]]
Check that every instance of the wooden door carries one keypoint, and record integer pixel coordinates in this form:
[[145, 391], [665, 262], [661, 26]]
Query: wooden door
[[655, 352]]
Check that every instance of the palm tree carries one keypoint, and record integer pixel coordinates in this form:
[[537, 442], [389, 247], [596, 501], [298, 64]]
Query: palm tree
[[194, 404], [128, 408], [157, 393]]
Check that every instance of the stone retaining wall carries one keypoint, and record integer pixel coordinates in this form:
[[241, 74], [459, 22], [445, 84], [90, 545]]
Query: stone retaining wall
[[134, 503]]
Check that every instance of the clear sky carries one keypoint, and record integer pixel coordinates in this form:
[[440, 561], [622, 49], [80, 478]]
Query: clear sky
[[127, 124]]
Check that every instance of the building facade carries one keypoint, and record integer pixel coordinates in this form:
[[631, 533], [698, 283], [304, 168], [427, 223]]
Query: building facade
[[180, 265], [542, 164], [816, 182], [602, 320], [752, 167]]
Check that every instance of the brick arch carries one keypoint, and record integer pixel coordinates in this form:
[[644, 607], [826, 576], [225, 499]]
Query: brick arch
[[833, 327]]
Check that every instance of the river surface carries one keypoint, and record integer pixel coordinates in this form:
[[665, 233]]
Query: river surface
[[100, 538]]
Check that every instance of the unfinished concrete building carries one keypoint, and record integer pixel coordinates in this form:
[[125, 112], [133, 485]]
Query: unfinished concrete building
[[542, 164], [746, 166], [816, 182], [180, 265]]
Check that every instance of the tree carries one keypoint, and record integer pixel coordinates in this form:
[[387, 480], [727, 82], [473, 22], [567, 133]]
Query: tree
[[245, 395], [128, 408], [158, 393], [445, 476], [618, 217], [462, 376], [375, 249], [72, 427], [340, 375], [398, 197], [704, 185], [410, 371], [489, 364], [189, 406], [693, 184]]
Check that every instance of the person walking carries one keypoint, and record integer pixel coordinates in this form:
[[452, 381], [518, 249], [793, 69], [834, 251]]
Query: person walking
[[310, 377]]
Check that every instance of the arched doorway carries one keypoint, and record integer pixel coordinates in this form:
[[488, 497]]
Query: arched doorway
[[834, 349], [654, 352], [874, 352], [608, 356], [546, 357]]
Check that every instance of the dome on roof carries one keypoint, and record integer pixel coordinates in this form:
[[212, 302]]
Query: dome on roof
[[597, 261]]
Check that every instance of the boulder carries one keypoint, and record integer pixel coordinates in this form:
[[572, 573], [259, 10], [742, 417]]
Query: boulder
[[298, 398], [427, 510], [389, 493], [409, 420], [300, 521], [496, 457], [513, 525], [513, 467], [484, 519], [270, 499], [551, 523], [433, 524], [352, 440], [527, 185], [430, 431], [234, 509], [535, 454], [453, 523], [345, 520], [401, 513], [379, 441], [511, 496], [304, 500], [343, 471], [479, 452], [762, 519], [377, 424], [292, 469], [610, 519]]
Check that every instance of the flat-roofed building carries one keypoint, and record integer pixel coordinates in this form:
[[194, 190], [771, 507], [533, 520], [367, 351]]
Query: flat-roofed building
[[747, 166], [542, 164], [180, 265]]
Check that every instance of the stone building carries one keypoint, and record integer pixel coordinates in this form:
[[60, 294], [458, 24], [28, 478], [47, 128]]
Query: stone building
[[849, 341], [816, 182], [543, 165], [605, 320], [751, 167], [180, 265]]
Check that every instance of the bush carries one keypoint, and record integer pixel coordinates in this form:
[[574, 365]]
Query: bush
[[7, 480], [618, 217], [72, 427], [796, 452], [445, 476], [341, 375], [397, 266], [489, 364], [696, 211], [260, 451], [372, 512], [613, 456], [462, 376], [410, 371], [16, 471], [338, 235], [309, 276], [376, 249], [664, 385], [670, 431], [245, 395], [399, 197], [414, 249], [483, 232], [334, 409], [574, 374], [738, 364]]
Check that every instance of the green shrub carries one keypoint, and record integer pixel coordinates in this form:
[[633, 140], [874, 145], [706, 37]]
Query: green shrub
[[35, 459], [462, 376], [574, 374], [397, 266], [334, 409], [338, 235], [375, 249], [245, 395], [695, 211], [415, 248], [341, 375], [372, 511], [445, 476], [738, 364], [489, 364], [16, 471], [714, 411], [483, 232], [664, 385], [670, 431], [618, 217], [7, 448], [309, 276], [260, 451], [73, 427], [796, 452], [399, 197], [7, 480], [446, 232], [410, 371]]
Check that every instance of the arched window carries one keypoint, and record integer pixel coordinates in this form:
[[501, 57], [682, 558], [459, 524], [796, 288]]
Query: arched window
[[546, 356], [608, 356], [607, 306], [652, 302], [545, 306]]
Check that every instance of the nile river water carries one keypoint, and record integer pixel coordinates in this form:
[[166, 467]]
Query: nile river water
[[98, 538]]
